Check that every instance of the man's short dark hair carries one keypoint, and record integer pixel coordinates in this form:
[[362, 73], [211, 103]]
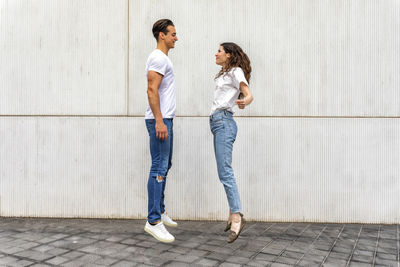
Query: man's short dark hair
[[161, 26]]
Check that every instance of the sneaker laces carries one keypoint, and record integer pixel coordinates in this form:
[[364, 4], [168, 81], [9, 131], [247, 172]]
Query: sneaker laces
[[163, 229]]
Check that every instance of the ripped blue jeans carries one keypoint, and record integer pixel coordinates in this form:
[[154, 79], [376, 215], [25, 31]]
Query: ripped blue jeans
[[161, 156]]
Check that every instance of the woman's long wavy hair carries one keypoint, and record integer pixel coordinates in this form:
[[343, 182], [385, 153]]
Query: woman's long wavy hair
[[238, 58]]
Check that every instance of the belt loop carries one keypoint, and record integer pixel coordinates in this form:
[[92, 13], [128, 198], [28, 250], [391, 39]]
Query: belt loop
[[225, 112]]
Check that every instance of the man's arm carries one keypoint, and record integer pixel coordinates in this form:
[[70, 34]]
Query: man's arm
[[248, 97], [153, 84]]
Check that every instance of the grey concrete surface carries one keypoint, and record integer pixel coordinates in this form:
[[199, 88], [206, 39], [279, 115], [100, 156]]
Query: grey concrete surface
[[94, 242]]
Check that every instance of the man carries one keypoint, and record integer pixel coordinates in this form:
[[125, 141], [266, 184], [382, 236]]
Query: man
[[159, 122]]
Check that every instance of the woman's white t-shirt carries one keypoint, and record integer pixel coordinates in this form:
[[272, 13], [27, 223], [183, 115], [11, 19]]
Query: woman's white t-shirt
[[160, 63], [227, 90]]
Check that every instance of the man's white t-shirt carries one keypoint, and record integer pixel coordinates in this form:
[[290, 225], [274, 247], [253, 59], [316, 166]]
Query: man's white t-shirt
[[159, 62], [227, 90]]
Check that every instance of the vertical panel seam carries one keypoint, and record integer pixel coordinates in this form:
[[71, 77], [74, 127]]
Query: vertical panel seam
[[127, 62]]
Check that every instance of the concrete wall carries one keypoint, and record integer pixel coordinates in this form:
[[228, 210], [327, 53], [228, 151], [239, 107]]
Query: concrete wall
[[320, 142]]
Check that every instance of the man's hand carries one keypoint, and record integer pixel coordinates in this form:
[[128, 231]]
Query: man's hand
[[161, 131]]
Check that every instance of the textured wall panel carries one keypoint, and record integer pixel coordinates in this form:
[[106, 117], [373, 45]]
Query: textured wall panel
[[309, 58], [320, 170], [90, 167], [63, 57]]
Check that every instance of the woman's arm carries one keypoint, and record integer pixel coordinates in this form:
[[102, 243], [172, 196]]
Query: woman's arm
[[248, 97]]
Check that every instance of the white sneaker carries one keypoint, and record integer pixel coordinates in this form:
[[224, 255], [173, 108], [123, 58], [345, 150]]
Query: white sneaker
[[159, 232], [167, 220]]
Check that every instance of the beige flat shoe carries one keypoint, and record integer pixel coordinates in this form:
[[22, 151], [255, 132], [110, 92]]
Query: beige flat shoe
[[232, 235]]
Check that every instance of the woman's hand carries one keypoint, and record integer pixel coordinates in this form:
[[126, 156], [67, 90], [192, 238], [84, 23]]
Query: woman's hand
[[241, 103], [248, 97]]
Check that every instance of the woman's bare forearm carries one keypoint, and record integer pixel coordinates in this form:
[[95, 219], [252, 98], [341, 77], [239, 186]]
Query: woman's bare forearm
[[248, 96]]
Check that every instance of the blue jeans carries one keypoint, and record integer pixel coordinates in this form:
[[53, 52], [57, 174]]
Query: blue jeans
[[161, 156], [224, 130]]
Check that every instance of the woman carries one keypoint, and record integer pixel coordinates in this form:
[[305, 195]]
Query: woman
[[232, 87]]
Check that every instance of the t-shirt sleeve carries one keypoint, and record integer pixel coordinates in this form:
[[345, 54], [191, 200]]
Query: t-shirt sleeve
[[158, 64], [238, 77]]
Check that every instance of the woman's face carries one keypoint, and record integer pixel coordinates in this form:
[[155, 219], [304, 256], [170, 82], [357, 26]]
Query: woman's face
[[221, 58]]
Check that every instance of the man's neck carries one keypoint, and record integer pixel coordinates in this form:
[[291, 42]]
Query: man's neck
[[163, 48]]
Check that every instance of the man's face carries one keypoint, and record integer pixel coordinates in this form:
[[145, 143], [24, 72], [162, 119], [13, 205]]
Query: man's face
[[170, 38]]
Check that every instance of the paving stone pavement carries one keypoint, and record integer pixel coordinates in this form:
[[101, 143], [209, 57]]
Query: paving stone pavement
[[93, 242]]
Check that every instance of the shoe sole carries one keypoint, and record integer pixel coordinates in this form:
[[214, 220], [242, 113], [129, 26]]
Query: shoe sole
[[227, 227], [158, 238], [170, 225]]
